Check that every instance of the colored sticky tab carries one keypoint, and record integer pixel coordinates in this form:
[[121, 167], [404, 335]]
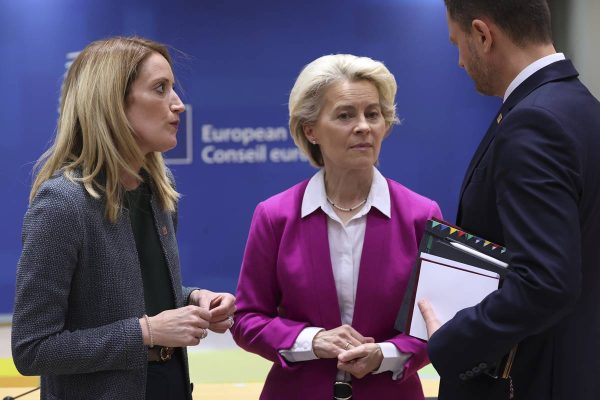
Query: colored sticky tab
[[434, 224], [452, 230]]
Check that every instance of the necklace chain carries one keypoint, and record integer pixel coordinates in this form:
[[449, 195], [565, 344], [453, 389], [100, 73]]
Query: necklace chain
[[345, 209]]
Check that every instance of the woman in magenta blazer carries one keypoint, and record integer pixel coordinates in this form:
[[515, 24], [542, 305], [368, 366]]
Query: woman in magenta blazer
[[327, 261]]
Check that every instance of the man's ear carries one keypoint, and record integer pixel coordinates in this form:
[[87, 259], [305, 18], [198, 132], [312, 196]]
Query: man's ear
[[482, 34]]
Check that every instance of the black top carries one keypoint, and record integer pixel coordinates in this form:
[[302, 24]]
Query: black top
[[158, 295]]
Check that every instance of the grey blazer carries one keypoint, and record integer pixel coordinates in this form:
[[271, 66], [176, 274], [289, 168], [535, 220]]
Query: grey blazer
[[79, 295]]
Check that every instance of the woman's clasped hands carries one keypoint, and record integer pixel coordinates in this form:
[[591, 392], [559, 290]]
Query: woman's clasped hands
[[221, 307], [187, 326], [178, 327], [356, 354]]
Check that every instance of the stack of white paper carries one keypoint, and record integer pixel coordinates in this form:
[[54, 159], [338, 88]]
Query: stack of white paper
[[449, 286]]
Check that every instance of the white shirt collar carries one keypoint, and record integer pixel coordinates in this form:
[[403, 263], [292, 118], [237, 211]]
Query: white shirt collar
[[315, 196], [532, 69]]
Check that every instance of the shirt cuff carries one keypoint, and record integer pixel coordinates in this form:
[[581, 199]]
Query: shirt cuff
[[302, 349], [393, 360]]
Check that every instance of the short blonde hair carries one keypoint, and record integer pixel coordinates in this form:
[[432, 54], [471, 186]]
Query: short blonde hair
[[93, 135], [306, 97]]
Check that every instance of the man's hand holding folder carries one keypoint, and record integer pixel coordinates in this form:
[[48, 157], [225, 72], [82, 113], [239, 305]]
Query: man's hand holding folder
[[454, 270], [431, 321]]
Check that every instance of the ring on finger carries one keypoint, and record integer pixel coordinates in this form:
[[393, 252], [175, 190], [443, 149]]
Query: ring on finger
[[230, 320], [347, 346], [204, 334]]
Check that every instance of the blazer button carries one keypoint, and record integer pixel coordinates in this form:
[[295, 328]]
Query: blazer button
[[476, 370], [462, 377], [483, 366], [470, 374]]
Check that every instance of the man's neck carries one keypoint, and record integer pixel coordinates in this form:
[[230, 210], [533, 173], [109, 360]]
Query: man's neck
[[515, 59]]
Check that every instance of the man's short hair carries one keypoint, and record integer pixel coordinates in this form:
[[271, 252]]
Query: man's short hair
[[524, 21]]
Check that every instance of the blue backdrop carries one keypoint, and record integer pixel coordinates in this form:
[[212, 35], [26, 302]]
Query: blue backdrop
[[237, 64]]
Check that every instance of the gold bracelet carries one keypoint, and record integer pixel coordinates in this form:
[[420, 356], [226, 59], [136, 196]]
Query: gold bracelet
[[149, 330]]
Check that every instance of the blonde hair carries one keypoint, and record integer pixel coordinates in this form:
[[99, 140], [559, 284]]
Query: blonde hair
[[94, 137], [306, 97]]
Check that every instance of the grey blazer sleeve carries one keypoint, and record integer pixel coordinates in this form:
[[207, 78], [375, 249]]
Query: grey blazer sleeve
[[52, 241]]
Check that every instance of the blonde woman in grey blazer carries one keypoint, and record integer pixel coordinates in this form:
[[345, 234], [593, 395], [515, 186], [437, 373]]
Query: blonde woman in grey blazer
[[100, 312]]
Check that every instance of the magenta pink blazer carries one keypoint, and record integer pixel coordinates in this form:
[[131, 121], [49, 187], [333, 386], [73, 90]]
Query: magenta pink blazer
[[286, 284]]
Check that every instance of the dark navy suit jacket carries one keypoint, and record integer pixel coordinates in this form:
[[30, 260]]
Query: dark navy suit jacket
[[534, 186]]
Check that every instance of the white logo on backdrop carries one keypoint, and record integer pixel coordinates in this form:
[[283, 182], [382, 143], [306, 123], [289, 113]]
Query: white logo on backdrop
[[188, 143], [70, 57]]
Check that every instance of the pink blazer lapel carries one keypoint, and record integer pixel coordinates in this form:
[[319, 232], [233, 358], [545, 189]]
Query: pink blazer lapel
[[316, 245], [374, 245]]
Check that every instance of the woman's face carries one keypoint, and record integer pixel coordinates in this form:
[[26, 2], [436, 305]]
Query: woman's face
[[152, 107], [350, 127]]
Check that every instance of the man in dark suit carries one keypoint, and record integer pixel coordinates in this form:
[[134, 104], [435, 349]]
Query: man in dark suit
[[533, 185]]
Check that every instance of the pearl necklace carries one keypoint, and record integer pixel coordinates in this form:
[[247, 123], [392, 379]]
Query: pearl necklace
[[345, 209]]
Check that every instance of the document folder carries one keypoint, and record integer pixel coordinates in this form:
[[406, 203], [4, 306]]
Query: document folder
[[454, 270]]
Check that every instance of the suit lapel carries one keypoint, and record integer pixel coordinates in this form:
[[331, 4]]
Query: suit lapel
[[374, 246], [481, 149], [553, 72], [557, 71], [316, 243], [166, 235]]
